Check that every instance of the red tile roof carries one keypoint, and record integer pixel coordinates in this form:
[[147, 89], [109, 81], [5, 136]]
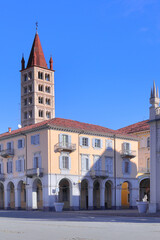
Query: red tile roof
[[36, 57], [64, 123], [136, 127]]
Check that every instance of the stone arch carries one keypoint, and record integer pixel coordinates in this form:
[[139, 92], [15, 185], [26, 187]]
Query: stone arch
[[21, 191], [84, 194], [144, 188], [96, 194], [11, 195], [1, 195], [108, 194], [65, 193], [37, 194], [126, 194]]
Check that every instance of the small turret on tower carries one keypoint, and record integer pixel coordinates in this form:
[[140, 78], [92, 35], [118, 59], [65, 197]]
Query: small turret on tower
[[51, 63], [154, 101], [22, 63]]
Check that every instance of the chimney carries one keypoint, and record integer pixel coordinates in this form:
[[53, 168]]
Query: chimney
[[9, 130]]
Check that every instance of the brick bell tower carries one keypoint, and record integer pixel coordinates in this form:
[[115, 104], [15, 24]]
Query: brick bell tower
[[37, 87]]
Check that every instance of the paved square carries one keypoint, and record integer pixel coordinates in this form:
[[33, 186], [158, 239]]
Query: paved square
[[93, 225]]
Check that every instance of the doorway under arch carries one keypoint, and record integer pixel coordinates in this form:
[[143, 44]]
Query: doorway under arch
[[125, 195], [64, 193], [108, 195], [21, 190], [84, 194], [11, 195], [144, 188], [37, 194], [1, 196], [96, 195]]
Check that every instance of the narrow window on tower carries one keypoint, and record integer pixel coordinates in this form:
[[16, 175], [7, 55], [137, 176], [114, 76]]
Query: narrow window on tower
[[25, 89], [30, 114], [40, 75], [30, 101], [48, 114], [30, 88], [25, 101], [25, 115], [47, 89], [25, 77], [40, 100], [29, 75], [47, 77], [40, 113], [48, 102], [40, 88]]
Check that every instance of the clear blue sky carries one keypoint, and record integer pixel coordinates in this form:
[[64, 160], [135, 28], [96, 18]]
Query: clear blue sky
[[106, 55]]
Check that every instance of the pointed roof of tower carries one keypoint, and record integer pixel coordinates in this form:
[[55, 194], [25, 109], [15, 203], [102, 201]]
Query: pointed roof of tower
[[36, 57]]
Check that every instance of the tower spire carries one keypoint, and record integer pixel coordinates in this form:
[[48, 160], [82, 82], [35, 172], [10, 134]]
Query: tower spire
[[36, 27]]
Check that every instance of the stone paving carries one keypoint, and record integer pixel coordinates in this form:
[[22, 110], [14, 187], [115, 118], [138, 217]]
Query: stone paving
[[79, 225]]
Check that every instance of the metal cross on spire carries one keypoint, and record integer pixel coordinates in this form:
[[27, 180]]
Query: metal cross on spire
[[36, 27]]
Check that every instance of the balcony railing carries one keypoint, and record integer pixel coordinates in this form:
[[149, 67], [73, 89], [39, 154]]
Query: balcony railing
[[64, 147], [2, 176], [143, 170], [38, 172], [98, 173], [127, 154], [7, 153]]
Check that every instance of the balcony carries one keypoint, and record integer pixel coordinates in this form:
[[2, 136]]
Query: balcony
[[2, 176], [7, 153], [34, 172], [69, 147], [143, 170], [98, 174], [127, 154]]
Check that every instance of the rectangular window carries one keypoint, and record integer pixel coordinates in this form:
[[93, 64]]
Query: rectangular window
[[97, 143], [109, 145], [126, 148], [19, 165], [126, 167], [20, 143], [65, 140], [1, 168], [85, 162], [1, 147], [9, 145], [85, 142], [9, 166], [109, 164], [35, 139], [36, 162], [65, 162], [97, 163]]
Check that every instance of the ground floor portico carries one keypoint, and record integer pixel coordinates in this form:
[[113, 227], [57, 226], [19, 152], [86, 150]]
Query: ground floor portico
[[76, 192]]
